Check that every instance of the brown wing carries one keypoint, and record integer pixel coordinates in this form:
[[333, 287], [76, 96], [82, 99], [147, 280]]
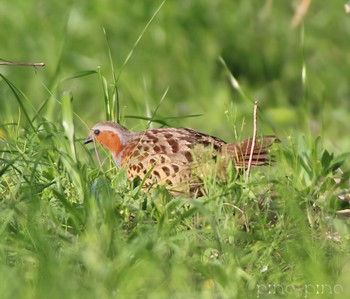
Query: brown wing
[[166, 156], [178, 158]]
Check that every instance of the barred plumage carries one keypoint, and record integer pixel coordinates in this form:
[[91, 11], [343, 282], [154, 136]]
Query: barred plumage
[[174, 156]]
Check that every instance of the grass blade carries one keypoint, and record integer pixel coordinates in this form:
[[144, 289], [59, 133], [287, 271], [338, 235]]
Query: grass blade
[[19, 97], [67, 122]]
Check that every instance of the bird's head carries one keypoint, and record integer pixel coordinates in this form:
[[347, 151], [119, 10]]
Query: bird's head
[[111, 135]]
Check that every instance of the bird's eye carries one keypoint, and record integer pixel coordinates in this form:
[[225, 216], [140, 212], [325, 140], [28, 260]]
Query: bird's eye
[[96, 132]]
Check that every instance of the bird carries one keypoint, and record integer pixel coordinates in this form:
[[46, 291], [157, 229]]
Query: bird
[[177, 158]]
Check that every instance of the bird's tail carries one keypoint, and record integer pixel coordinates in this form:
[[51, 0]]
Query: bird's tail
[[241, 151]]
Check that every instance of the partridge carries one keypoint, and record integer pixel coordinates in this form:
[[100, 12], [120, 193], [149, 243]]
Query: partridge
[[176, 157]]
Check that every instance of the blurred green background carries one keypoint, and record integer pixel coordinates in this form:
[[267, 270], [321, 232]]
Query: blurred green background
[[71, 230], [180, 50]]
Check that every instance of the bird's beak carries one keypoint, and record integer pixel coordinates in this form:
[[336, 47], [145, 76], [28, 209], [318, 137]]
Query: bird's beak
[[88, 140]]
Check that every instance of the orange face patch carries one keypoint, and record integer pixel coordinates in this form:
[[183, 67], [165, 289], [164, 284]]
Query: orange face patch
[[110, 140]]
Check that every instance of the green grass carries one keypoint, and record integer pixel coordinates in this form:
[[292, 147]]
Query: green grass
[[71, 228]]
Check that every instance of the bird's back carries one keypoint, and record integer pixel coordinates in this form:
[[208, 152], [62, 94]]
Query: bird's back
[[168, 156], [180, 158]]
